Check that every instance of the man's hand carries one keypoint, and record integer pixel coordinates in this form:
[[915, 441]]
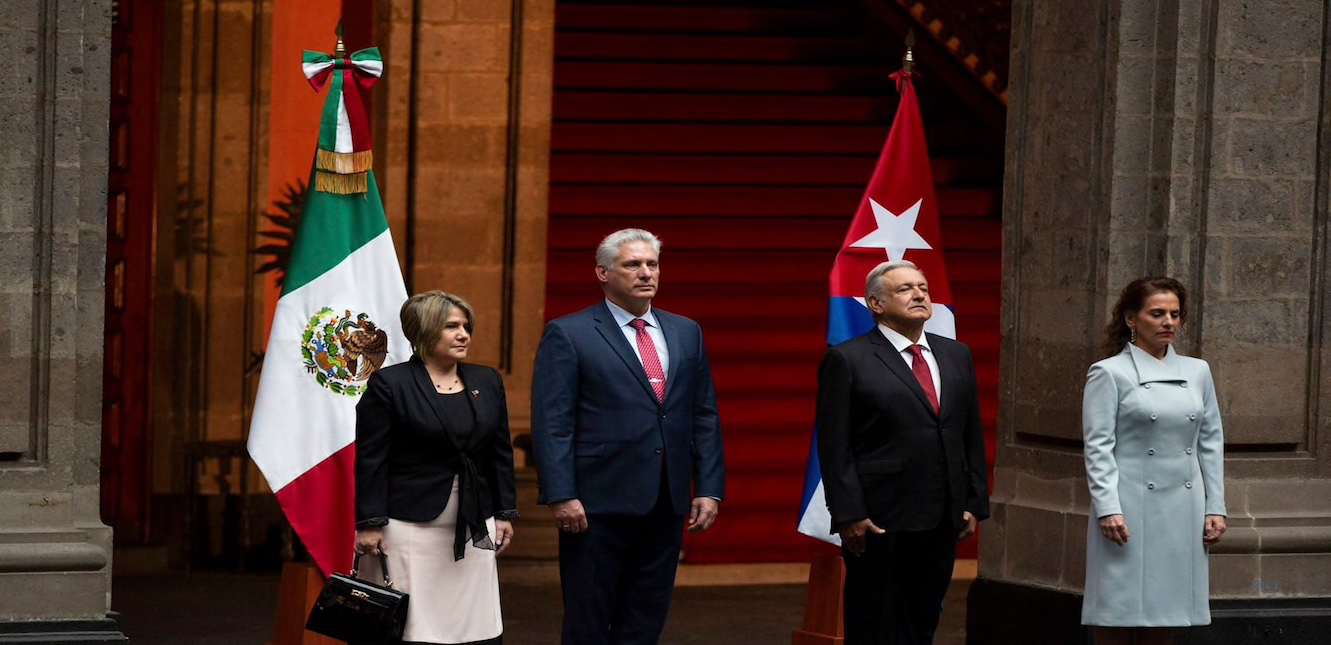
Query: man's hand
[[1214, 529], [1114, 529], [569, 516], [969, 529], [852, 534], [370, 540], [503, 535], [704, 512]]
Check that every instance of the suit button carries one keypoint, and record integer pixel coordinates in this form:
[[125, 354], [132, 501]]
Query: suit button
[[663, 416], [1187, 484], [1188, 450], [1153, 417], [1151, 451], [1147, 386], [658, 451], [1151, 486]]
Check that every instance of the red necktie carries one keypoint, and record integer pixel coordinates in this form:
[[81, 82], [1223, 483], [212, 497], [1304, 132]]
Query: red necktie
[[921, 370], [651, 361]]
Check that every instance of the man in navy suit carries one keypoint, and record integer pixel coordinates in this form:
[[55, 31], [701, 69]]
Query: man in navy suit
[[902, 455], [627, 444]]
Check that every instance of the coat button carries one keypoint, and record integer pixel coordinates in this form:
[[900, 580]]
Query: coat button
[[1183, 384], [1187, 484], [1151, 486], [1151, 451], [1147, 386], [1188, 450], [1153, 417], [1192, 417]]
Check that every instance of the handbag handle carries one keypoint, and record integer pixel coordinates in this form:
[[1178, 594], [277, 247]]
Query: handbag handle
[[383, 566]]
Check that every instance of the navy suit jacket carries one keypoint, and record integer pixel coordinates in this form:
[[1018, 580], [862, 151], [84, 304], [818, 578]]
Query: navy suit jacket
[[885, 454], [600, 436]]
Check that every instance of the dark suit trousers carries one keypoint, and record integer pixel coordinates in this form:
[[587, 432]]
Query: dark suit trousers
[[618, 575], [895, 591]]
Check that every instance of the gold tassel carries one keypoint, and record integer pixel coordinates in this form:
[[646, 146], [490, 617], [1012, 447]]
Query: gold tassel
[[328, 182], [344, 163]]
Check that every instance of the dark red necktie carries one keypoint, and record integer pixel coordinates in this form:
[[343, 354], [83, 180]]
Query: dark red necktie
[[651, 361], [921, 370]]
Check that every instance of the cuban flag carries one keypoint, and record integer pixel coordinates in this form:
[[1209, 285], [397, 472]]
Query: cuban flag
[[897, 220]]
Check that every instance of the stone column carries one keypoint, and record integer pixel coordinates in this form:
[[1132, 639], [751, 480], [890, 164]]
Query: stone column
[[55, 553], [465, 132], [1189, 138]]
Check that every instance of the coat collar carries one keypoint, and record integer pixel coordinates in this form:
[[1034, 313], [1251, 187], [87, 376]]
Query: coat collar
[[1153, 370], [426, 386], [608, 327], [888, 355]]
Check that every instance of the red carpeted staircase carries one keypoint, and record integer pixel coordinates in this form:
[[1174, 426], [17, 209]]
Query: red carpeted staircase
[[742, 132]]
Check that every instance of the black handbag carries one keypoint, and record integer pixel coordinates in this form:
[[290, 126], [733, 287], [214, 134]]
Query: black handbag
[[357, 611]]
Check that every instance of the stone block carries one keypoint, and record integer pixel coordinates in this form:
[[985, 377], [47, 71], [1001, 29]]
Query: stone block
[[478, 98], [1285, 575], [1060, 27], [1290, 498], [1040, 535], [1255, 206], [1270, 267], [1235, 575], [1133, 137], [1267, 148], [1270, 30], [1264, 322], [462, 145], [1041, 492], [1067, 83], [465, 47], [1283, 89], [1074, 549], [1138, 26], [1135, 94], [484, 10]]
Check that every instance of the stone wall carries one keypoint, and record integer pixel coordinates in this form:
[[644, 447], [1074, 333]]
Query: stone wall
[[1186, 138], [55, 554]]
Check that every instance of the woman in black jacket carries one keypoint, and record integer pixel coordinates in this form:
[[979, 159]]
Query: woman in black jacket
[[434, 476]]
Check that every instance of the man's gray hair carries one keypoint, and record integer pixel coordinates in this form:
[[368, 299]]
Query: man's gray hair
[[609, 247], [873, 286]]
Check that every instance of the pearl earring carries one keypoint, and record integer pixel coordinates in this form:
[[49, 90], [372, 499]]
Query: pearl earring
[[1132, 337]]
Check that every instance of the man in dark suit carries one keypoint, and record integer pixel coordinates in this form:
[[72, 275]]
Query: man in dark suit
[[627, 443], [902, 457]]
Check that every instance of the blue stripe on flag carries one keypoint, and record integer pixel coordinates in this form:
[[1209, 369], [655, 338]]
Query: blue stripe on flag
[[846, 319]]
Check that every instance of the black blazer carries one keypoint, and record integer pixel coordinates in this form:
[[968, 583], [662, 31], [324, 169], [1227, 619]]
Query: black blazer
[[884, 453], [406, 455]]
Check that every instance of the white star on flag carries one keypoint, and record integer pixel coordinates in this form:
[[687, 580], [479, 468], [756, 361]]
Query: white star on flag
[[895, 233]]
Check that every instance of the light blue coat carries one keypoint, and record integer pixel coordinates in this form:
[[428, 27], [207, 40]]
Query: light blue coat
[[1154, 453]]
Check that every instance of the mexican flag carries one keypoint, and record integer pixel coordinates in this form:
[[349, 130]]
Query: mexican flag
[[336, 323]]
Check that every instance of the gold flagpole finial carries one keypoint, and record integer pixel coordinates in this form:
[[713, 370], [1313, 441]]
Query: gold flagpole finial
[[341, 50], [908, 59]]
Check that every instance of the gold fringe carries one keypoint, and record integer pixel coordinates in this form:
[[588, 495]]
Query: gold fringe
[[344, 163], [328, 182]]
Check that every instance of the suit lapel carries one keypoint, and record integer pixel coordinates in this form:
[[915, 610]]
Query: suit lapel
[[426, 387], [614, 337], [896, 363], [670, 331]]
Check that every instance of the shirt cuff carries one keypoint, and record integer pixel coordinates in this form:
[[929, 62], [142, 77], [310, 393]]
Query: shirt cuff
[[507, 516]]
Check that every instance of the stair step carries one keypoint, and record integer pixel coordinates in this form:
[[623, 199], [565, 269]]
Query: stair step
[[739, 169], [608, 106], [726, 78], [729, 139], [678, 48], [709, 17], [576, 200]]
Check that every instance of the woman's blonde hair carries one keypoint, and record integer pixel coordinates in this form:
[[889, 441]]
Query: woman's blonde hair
[[424, 315]]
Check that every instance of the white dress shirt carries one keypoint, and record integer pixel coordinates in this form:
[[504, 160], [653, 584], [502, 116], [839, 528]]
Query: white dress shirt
[[623, 318], [902, 345]]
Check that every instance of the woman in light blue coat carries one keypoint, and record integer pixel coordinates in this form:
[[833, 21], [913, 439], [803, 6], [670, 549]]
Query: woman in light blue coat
[[1155, 465]]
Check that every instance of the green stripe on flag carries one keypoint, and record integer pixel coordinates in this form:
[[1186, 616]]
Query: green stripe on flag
[[332, 227], [328, 122]]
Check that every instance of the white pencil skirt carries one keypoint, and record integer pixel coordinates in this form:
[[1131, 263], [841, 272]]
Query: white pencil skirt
[[451, 601]]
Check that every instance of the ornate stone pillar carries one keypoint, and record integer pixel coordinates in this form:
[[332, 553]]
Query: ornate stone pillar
[[1189, 138], [55, 553]]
